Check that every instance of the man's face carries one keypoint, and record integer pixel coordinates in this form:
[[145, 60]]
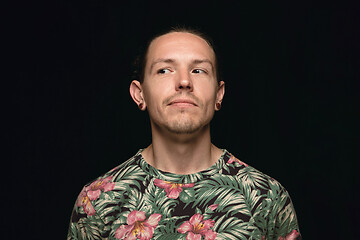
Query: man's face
[[180, 89]]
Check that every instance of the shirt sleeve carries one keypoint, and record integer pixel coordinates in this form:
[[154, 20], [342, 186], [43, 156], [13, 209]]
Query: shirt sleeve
[[283, 221], [85, 222]]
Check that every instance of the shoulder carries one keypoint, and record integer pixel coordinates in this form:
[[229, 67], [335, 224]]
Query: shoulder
[[110, 186], [253, 178]]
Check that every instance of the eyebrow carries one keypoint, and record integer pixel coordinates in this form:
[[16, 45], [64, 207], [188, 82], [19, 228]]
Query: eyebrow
[[170, 60], [161, 60]]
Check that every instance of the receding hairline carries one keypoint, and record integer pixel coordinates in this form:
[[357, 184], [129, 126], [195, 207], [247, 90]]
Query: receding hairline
[[172, 32], [193, 33], [142, 58]]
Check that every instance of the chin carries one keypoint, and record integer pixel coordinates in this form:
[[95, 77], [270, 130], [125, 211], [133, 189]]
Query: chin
[[184, 127], [178, 130]]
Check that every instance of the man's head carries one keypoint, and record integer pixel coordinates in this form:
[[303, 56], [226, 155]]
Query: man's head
[[180, 87], [141, 60]]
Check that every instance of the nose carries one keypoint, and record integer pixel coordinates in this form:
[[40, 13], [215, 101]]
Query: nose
[[184, 81]]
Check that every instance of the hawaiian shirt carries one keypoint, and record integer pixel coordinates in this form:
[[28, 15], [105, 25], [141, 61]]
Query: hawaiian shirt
[[229, 200]]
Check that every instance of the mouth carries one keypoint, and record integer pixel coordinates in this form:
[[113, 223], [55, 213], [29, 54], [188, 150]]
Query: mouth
[[182, 103]]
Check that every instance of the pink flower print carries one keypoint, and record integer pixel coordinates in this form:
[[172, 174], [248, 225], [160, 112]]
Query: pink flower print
[[172, 189], [94, 190], [213, 207], [137, 227], [84, 201], [196, 228], [291, 236], [234, 159]]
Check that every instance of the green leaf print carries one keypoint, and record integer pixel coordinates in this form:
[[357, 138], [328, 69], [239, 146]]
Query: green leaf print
[[217, 187], [187, 195], [168, 236], [168, 228], [89, 228], [135, 200], [233, 228], [252, 177], [132, 175], [156, 199], [286, 218], [230, 200], [275, 189], [234, 203], [252, 200], [121, 219], [107, 210]]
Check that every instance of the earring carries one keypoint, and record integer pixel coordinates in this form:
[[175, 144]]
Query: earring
[[218, 105], [141, 106]]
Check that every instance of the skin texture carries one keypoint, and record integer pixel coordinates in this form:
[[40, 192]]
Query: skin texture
[[180, 92]]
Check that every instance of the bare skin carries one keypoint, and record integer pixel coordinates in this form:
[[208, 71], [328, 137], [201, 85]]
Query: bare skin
[[180, 92]]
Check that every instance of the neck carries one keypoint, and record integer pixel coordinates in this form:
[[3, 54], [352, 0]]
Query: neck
[[182, 153]]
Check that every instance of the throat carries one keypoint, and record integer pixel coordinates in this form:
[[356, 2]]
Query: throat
[[181, 161]]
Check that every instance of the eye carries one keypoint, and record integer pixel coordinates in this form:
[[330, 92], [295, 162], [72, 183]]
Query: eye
[[163, 71], [198, 71]]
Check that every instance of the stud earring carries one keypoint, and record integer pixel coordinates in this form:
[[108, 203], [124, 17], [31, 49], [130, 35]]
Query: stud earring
[[218, 105], [141, 106]]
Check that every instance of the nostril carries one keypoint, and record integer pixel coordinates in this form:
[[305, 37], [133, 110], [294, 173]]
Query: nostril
[[184, 84]]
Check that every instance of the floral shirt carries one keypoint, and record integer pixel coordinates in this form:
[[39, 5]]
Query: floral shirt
[[229, 200]]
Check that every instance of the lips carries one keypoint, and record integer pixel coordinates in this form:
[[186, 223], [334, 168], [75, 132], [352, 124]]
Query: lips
[[182, 102]]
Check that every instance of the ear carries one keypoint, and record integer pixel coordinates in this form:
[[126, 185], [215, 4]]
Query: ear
[[219, 95], [136, 93]]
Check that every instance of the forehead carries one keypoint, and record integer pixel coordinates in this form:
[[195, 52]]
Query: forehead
[[180, 45]]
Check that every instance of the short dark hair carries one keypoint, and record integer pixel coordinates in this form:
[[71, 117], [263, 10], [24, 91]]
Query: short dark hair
[[140, 61]]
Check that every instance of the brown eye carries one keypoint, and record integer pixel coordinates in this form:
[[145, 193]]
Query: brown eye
[[198, 71], [163, 71]]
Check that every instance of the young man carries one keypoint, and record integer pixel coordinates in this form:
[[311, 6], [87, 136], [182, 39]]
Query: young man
[[182, 186]]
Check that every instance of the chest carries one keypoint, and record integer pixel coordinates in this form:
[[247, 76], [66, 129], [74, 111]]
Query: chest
[[168, 210]]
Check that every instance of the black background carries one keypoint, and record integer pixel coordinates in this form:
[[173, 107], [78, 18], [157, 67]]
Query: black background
[[291, 73]]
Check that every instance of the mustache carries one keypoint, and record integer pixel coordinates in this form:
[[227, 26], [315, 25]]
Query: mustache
[[189, 96]]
